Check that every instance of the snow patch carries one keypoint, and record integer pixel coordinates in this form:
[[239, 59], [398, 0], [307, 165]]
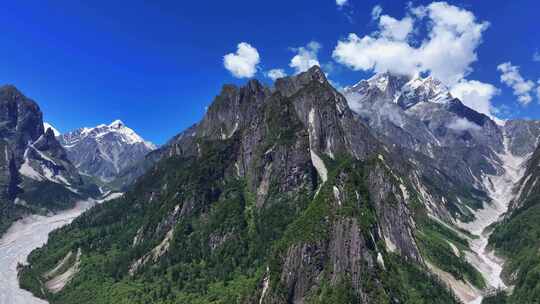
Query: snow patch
[[47, 126], [454, 248], [266, 284], [390, 246], [336, 195], [380, 260], [29, 172], [318, 163]]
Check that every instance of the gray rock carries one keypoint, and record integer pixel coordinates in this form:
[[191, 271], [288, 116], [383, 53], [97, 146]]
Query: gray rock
[[106, 150]]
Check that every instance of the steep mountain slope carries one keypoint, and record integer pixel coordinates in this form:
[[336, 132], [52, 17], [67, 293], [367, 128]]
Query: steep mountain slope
[[420, 116], [523, 136], [35, 174], [104, 151], [467, 163], [47, 125], [517, 238], [277, 196]]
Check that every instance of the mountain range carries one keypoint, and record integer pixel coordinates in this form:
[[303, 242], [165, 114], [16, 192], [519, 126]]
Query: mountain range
[[390, 191], [45, 171]]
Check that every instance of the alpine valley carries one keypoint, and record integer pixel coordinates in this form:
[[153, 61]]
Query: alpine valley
[[388, 191], [44, 172]]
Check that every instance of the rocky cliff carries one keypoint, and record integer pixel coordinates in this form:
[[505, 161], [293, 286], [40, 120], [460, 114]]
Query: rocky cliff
[[279, 195], [35, 173]]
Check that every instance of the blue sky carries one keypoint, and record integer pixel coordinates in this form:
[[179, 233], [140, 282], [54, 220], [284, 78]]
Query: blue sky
[[157, 66]]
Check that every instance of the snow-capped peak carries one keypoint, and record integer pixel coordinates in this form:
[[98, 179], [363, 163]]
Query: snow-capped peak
[[405, 90], [116, 124], [105, 150], [380, 81], [47, 125], [427, 89], [116, 129]]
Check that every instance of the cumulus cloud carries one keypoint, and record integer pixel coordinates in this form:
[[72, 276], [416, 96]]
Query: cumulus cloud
[[476, 95], [394, 29], [306, 57], [376, 12], [341, 2], [377, 54], [462, 124], [275, 74], [243, 63], [511, 76], [446, 53]]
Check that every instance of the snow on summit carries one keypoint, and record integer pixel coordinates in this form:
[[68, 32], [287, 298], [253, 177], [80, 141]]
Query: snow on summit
[[117, 127], [47, 125], [105, 150]]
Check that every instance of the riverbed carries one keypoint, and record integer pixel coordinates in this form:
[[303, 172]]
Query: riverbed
[[24, 236], [500, 189]]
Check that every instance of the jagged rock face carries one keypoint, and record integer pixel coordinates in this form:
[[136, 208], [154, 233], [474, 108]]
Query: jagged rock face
[[452, 146], [106, 150], [35, 169], [45, 159], [20, 119], [522, 136], [420, 114], [286, 179], [527, 189]]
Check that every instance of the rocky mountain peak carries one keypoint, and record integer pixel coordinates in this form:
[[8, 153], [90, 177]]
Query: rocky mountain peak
[[47, 125], [21, 119], [117, 124], [290, 85], [404, 90], [35, 169], [103, 151], [388, 82]]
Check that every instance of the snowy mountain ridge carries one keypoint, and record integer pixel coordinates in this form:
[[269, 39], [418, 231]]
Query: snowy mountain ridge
[[105, 150], [47, 125], [404, 90], [125, 134]]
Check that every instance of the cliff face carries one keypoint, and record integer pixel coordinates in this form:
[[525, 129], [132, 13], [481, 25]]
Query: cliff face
[[279, 195], [35, 174]]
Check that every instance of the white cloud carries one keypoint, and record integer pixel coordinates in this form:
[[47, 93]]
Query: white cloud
[[446, 53], [536, 56], [275, 74], [511, 77], [376, 54], [476, 95], [341, 2], [306, 57], [462, 124], [392, 28], [376, 12], [243, 63], [538, 89]]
